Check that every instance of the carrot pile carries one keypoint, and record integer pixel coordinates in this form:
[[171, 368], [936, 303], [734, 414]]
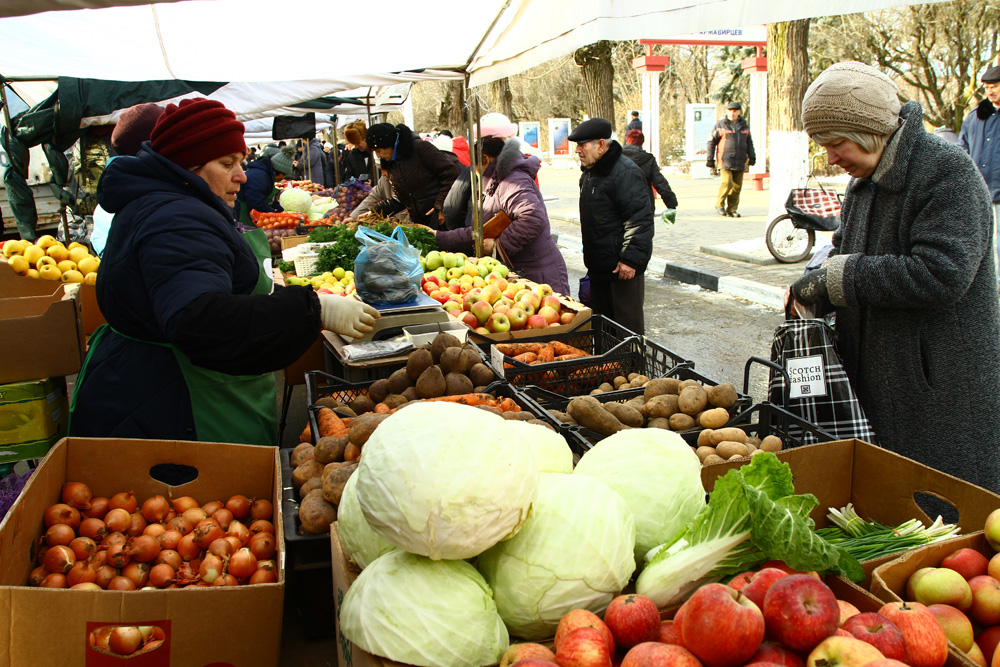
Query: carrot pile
[[277, 219], [540, 353]]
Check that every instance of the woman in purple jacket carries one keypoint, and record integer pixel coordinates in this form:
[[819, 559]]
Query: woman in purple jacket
[[509, 186]]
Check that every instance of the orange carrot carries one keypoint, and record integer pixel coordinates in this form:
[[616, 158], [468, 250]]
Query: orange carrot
[[381, 409], [546, 354], [527, 358], [563, 349], [568, 357], [329, 423], [509, 405], [514, 349], [306, 435], [466, 399]]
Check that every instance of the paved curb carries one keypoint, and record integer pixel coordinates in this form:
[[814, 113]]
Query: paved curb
[[765, 295]]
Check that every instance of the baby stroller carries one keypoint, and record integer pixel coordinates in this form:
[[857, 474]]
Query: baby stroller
[[790, 236]]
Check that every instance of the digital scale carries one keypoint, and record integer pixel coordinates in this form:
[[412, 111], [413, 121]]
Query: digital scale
[[422, 310]]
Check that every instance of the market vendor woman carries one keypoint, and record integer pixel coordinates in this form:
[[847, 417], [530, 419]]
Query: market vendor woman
[[195, 327]]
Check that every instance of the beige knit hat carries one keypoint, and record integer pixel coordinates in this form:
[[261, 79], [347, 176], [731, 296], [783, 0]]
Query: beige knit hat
[[851, 96]]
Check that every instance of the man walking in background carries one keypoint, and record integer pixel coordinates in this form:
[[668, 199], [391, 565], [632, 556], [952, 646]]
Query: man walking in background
[[635, 123], [616, 223], [732, 147], [980, 137]]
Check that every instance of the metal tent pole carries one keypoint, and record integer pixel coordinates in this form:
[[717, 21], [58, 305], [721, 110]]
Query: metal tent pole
[[476, 172]]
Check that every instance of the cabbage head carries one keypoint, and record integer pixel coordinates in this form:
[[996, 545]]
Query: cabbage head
[[551, 449], [422, 612], [446, 481], [361, 544], [657, 474], [296, 200], [575, 551]]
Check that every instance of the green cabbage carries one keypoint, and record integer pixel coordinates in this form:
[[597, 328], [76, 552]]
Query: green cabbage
[[550, 449], [361, 544], [417, 611], [296, 200], [446, 481], [576, 551], [657, 474]]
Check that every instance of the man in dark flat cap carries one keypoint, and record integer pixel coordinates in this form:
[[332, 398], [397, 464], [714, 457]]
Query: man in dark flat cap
[[732, 145], [980, 136], [616, 223]]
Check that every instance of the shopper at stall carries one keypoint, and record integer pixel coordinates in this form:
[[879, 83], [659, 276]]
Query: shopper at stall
[[358, 162], [655, 182], [912, 279], [421, 175], [195, 327], [509, 186], [259, 192], [310, 163]]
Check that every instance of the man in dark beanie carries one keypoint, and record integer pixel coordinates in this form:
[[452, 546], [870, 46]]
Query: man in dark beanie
[[980, 137], [650, 170], [731, 146], [420, 174], [616, 222], [196, 328]]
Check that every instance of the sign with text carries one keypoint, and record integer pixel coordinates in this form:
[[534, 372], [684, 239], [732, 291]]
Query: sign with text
[[807, 376], [751, 35], [699, 121], [530, 131], [559, 137]]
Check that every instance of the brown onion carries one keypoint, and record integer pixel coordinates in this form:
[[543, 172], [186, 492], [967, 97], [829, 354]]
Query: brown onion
[[242, 564], [213, 507], [37, 576], [118, 556], [54, 580], [160, 575], [144, 548], [98, 508], [183, 503], [112, 539], [83, 547], [121, 583], [261, 526], [151, 645], [195, 515], [170, 557], [85, 586], [59, 534], [76, 494], [263, 577], [226, 580], [170, 539], [81, 573], [180, 524], [207, 534], [93, 528], [267, 565], [187, 573], [105, 574], [155, 509], [125, 500], [239, 505], [99, 638], [234, 541], [261, 509], [263, 546], [124, 639], [137, 572], [59, 559], [154, 529], [207, 521], [136, 525], [100, 558], [211, 568], [62, 513], [223, 517], [187, 547], [118, 520], [221, 548], [240, 532]]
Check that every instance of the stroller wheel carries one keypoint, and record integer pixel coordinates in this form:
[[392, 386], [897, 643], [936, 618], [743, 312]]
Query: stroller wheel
[[786, 242]]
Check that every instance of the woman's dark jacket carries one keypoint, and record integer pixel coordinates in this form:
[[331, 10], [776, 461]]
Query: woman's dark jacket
[[357, 164], [509, 186], [654, 177], [616, 220], [176, 270], [421, 174], [915, 287]]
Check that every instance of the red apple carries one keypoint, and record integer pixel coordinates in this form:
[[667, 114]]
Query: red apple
[[841, 632], [518, 318], [740, 580], [721, 626], [655, 654], [800, 611], [846, 610], [777, 654], [526, 307], [581, 618], [943, 586], [470, 319], [534, 299], [583, 647], [760, 583], [550, 314], [567, 317], [632, 619], [471, 298], [926, 644], [543, 290], [500, 309], [987, 640], [842, 652], [762, 664], [324, 290], [781, 565], [537, 322], [668, 633], [976, 655], [885, 662], [525, 651], [956, 625], [913, 579], [679, 626], [492, 294], [498, 323], [880, 632], [535, 662], [993, 567], [483, 331], [985, 607], [552, 301], [482, 310]]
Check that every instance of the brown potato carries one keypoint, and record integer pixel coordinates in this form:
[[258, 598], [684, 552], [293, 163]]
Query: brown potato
[[684, 384], [657, 387], [305, 471], [316, 514], [590, 413], [692, 399], [606, 386], [705, 438], [303, 452], [329, 449], [363, 427], [312, 484], [625, 414], [727, 449], [756, 452], [713, 458], [640, 381], [722, 395], [754, 440], [333, 485], [704, 452], [330, 467], [619, 381], [562, 416], [714, 418], [663, 405], [751, 448], [658, 422], [681, 422], [352, 452], [594, 392], [730, 433], [771, 443]]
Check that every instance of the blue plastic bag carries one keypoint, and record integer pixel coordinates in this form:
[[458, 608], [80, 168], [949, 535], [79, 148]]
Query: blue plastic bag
[[387, 270]]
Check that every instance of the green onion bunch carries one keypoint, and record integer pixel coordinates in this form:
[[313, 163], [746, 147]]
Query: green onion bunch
[[868, 540]]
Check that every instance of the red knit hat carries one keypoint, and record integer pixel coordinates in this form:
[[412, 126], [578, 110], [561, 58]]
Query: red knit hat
[[197, 131], [134, 126]]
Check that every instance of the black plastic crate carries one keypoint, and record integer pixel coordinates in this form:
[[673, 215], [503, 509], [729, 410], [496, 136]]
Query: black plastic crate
[[615, 349], [306, 550], [764, 419], [583, 438]]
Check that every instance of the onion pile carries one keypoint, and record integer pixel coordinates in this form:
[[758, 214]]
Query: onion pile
[[120, 543], [126, 639]]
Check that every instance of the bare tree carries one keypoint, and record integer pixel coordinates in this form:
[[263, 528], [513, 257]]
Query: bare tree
[[453, 114], [503, 99], [787, 74], [598, 77]]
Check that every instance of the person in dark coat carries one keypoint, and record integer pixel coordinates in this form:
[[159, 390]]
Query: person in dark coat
[[616, 222], [421, 175], [979, 129], [259, 193], [195, 327], [731, 147], [509, 186], [358, 162], [635, 123], [647, 163], [912, 278]]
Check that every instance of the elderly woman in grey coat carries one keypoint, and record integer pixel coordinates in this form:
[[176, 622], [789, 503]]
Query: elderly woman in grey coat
[[912, 278]]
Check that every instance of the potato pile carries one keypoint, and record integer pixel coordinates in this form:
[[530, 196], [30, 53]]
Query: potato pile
[[726, 444], [319, 475]]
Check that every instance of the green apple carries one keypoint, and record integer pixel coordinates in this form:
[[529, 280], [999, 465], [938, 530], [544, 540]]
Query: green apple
[[484, 270], [500, 269], [339, 273], [454, 272], [441, 273], [449, 260], [433, 260]]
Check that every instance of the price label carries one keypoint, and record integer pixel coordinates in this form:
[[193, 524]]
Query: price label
[[807, 376], [496, 360]]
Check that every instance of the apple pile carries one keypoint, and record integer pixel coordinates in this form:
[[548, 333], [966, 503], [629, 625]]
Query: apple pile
[[772, 617], [498, 306], [339, 281]]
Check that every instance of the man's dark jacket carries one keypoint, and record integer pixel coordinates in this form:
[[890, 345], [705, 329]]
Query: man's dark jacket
[[731, 145], [616, 219], [654, 177]]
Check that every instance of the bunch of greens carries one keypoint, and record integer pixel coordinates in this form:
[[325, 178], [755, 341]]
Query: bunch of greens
[[752, 515], [285, 267], [866, 540], [347, 246]]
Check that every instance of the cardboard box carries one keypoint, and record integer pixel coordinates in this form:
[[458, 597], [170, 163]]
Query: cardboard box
[[33, 416], [40, 328], [90, 312], [51, 626], [292, 241]]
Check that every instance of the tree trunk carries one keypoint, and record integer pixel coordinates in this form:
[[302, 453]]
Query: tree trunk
[[503, 99], [787, 81], [598, 78], [452, 113]]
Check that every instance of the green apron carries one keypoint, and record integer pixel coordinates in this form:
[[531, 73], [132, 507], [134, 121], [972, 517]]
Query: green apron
[[227, 408], [245, 209]]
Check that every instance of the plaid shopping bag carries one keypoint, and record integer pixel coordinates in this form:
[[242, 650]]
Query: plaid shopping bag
[[819, 391], [813, 208]]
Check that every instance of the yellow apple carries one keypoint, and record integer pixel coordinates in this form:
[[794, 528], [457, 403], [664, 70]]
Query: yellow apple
[[67, 265], [33, 253], [72, 276], [49, 272]]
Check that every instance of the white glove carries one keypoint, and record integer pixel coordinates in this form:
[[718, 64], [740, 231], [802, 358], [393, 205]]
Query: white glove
[[346, 315]]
